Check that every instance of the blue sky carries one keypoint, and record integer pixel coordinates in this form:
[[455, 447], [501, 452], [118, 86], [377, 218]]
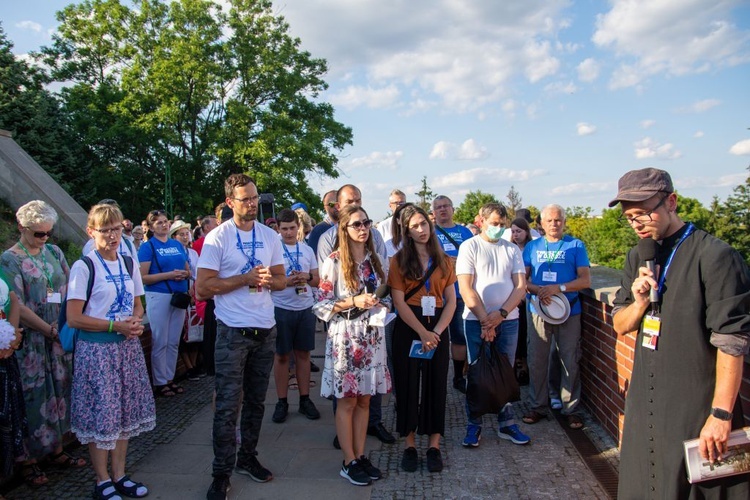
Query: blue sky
[[554, 97]]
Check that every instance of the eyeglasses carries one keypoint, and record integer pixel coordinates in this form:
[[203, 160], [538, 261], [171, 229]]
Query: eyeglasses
[[109, 230], [359, 224], [331, 204], [247, 201], [41, 234], [397, 203], [642, 218]]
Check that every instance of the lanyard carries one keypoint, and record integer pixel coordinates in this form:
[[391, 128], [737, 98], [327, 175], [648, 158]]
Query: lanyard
[[427, 281], [42, 268], [293, 263], [663, 276], [251, 260], [120, 289], [555, 254]]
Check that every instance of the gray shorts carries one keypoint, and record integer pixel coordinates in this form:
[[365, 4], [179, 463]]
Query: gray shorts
[[295, 330]]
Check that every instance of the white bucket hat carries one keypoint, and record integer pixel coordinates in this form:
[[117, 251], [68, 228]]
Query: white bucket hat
[[554, 313]]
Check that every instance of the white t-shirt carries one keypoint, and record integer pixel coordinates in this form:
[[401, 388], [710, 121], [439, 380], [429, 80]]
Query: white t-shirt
[[123, 250], [242, 307], [104, 303], [508, 234], [193, 262], [493, 266], [384, 227], [288, 298]]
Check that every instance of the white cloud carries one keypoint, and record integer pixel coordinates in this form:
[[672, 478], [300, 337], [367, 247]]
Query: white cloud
[[698, 134], [442, 150], [648, 148], [581, 188], [585, 128], [741, 148], [469, 150], [472, 150], [673, 37], [724, 181], [588, 70], [29, 25], [561, 88], [700, 106], [356, 96], [484, 176], [376, 160], [648, 123]]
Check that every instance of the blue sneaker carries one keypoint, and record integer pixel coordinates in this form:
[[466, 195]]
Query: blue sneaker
[[473, 433], [513, 434]]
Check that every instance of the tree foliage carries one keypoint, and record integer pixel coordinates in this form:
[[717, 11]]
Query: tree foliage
[[469, 208], [424, 195], [189, 88], [514, 202]]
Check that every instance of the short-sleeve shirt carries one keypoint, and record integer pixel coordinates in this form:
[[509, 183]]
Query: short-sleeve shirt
[[493, 266], [222, 253], [459, 234], [104, 302], [170, 256], [437, 283], [563, 258], [299, 257]]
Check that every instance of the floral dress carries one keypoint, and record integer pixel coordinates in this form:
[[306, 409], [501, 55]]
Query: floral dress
[[46, 370], [355, 363]]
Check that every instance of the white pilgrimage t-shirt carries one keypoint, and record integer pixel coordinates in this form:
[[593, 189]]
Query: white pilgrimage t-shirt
[[288, 298], [104, 303], [493, 266], [221, 252]]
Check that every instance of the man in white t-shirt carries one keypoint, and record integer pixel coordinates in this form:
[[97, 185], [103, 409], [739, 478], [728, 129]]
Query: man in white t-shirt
[[240, 264], [492, 280], [295, 321], [385, 226]]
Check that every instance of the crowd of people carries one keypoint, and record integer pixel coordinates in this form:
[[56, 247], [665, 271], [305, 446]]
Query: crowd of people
[[400, 301]]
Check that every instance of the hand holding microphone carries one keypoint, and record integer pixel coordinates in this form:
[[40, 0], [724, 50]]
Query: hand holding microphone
[[645, 286]]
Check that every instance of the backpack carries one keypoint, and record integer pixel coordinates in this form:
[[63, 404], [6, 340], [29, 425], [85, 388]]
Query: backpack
[[66, 333]]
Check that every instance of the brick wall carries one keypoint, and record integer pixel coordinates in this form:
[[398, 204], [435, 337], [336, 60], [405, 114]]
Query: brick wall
[[607, 361]]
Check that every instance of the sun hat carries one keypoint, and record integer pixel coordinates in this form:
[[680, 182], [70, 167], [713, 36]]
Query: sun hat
[[554, 313], [176, 226]]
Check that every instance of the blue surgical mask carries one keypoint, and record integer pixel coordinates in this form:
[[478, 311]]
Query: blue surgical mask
[[494, 232]]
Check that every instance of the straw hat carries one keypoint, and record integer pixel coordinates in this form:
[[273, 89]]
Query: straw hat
[[176, 226], [554, 313]]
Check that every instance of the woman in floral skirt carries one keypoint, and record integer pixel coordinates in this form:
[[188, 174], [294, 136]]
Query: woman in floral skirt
[[38, 274], [112, 399], [355, 365]]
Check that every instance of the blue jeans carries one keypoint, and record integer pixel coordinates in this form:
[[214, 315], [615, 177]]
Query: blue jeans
[[506, 342]]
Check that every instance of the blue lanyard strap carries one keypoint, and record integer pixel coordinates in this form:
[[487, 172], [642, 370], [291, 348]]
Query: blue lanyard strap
[[554, 256], [251, 260], [120, 289], [293, 263], [427, 282], [663, 276]]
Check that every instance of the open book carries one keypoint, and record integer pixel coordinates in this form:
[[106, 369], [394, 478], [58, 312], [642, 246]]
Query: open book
[[735, 461]]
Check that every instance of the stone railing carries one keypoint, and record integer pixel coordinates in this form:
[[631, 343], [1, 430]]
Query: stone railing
[[607, 362]]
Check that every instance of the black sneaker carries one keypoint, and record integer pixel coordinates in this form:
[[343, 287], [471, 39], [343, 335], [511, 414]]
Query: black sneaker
[[369, 469], [354, 473], [192, 374], [307, 408], [434, 460], [460, 384], [219, 488], [410, 460], [252, 468], [281, 412]]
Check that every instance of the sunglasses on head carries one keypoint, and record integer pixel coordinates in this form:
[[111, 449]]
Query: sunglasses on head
[[41, 234], [361, 223]]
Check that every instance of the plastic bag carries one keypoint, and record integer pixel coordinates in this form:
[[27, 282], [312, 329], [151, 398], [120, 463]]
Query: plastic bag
[[194, 327], [491, 382]]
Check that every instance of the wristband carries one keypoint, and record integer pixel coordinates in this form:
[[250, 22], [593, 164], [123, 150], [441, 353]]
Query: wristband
[[111, 324]]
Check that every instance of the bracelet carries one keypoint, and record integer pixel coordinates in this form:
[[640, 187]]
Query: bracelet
[[111, 324]]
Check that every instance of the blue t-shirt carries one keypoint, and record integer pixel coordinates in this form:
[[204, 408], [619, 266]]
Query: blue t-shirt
[[562, 257], [171, 255], [459, 234]]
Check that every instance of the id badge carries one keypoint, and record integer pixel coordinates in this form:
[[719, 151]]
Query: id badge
[[256, 289], [428, 305], [54, 298], [651, 330], [301, 290], [449, 247], [549, 276]]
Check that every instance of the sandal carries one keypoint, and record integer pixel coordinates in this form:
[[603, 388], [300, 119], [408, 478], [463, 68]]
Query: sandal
[[177, 389], [575, 422], [163, 391], [33, 476], [533, 417], [68, 462], [130, 488], [293, 386], [106, 491]]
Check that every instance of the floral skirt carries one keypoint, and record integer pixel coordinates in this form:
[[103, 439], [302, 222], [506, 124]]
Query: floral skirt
[[112, 398], [355, 360]]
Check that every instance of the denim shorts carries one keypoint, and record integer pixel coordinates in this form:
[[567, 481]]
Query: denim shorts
[[295, 330]]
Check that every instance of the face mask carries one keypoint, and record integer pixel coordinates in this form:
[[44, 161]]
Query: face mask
[[494, 232]]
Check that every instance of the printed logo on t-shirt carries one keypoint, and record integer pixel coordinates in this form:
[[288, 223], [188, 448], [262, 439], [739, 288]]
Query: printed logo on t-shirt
[[556, 256], [168, 251], [248, 245]]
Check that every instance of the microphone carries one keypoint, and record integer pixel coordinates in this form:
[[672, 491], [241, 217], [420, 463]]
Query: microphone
[[647, 248]]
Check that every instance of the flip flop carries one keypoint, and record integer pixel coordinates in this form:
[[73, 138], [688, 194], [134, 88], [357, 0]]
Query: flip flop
[[293, 383], [575, 422]]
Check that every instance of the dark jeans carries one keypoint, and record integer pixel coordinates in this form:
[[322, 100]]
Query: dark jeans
[[243, 365]]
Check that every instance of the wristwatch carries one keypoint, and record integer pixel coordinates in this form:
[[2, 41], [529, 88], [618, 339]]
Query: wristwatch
[[721, 414], [563, 288], [504, 313]]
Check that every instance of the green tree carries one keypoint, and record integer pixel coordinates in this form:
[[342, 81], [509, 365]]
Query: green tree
[[691, 210], [425, 195], [734, 224], [577, 219], [608, 240], [469, 208], [514, 202], [188, 89]]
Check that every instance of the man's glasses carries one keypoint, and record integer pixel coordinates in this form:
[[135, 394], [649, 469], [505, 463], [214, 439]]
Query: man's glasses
[[642, 218], [41, 234], [247, 201], [331, 204], [359, 224], [109, 230]]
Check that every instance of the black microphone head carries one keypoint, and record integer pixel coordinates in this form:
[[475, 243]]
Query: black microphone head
[[647, 248]]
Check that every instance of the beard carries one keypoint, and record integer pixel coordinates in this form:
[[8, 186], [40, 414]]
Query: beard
[[249, 217]]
